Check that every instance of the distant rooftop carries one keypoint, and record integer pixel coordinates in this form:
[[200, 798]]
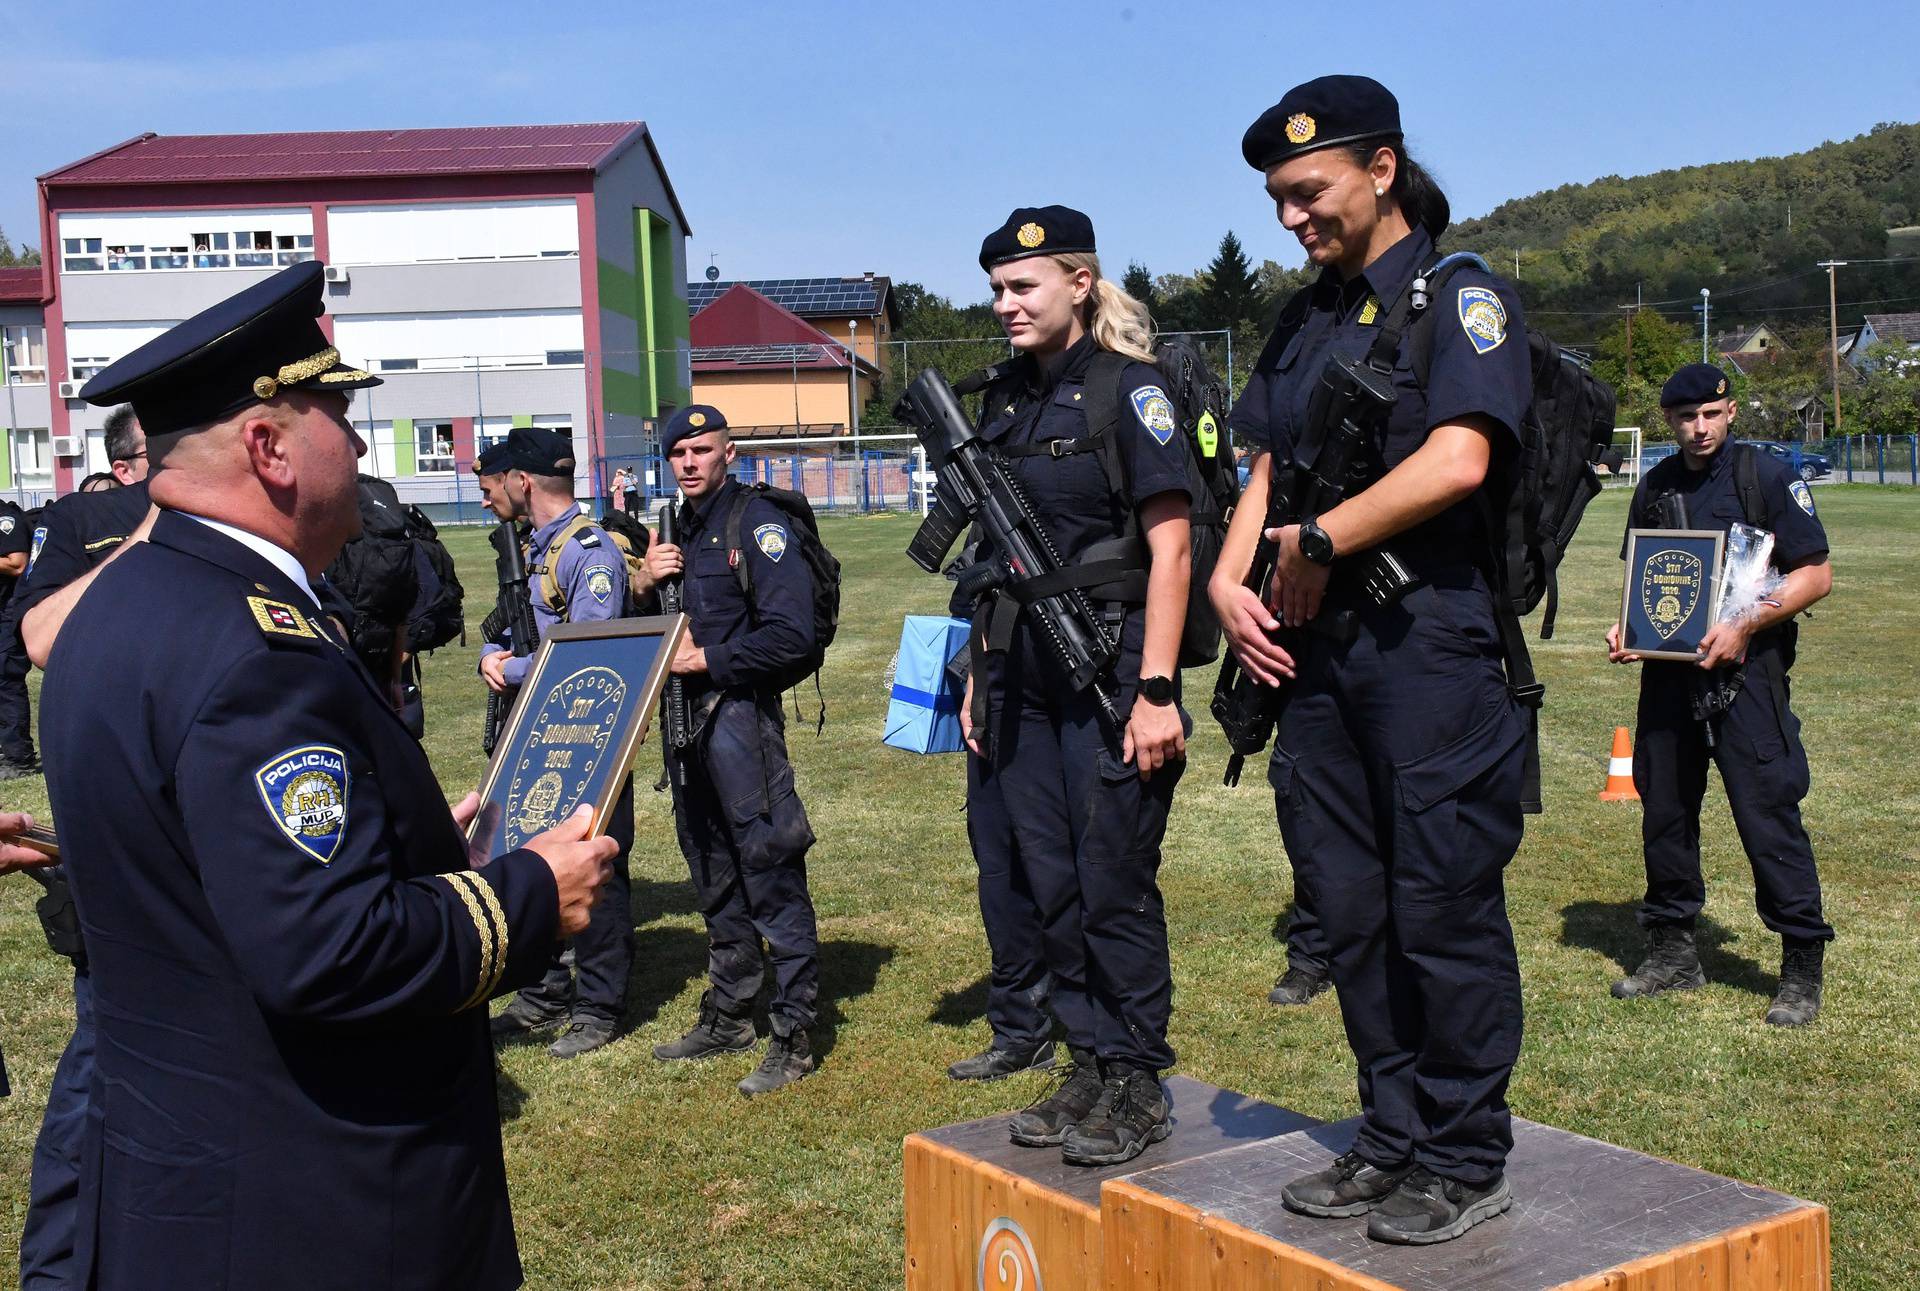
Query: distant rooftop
[[1895, 327], [808, 297], [20, 286]]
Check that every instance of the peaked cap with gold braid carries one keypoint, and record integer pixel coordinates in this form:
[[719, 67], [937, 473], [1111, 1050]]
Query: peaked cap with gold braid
[[247, 349]]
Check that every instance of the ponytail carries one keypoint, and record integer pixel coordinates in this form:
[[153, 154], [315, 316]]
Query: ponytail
[[1116, 321], [1414, 190]]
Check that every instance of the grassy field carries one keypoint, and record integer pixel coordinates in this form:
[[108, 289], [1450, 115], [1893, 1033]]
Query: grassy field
[[629, 1173]]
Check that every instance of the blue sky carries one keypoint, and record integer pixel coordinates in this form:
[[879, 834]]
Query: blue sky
[[836, 138]]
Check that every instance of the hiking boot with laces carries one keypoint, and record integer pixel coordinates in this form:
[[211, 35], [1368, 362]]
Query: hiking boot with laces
[[1672, 964], [1298, 985], [19, 768], [1427, 1208], [998, 1064], [789, 1057], [1802, 976], [1132, 1112], [523, 1016], [1352, 1185], [1067, 1101], [583, 1035], [715, 1033]]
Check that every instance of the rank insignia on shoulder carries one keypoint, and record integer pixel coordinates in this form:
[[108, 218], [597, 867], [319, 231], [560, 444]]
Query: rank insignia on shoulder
[[589, 540], [1802, 494], [305, 791], [1155, 411], [772, 541], [1483, 318], [277, 618], [600, 583]]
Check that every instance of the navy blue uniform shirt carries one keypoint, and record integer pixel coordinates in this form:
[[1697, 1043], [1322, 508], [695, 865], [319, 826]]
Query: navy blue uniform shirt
[[76, 533], [16, 538], [745, 644], [1712, 501], [1479, 367]]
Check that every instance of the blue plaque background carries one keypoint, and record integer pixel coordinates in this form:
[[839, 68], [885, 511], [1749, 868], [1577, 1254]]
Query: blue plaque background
[[575, 727], [1672, 591]]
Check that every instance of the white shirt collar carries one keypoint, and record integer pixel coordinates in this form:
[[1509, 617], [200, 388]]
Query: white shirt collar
[[277, 556]]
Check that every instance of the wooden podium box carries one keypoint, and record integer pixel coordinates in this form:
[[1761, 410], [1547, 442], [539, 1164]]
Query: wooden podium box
[[1587, 1216], [984, 1212]]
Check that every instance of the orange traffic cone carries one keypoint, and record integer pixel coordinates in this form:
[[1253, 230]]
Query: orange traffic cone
[[1620, 770]]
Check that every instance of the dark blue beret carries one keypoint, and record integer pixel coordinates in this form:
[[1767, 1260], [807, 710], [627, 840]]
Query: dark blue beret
[[537, 451], [244, 350], [1323, 113], [694, 419], [493, 459], [1695, 383], [1037, 231]]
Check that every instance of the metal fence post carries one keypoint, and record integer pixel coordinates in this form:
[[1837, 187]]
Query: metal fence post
[[1880, 456]]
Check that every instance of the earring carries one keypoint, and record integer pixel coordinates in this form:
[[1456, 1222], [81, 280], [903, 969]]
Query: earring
[[1379, 191]]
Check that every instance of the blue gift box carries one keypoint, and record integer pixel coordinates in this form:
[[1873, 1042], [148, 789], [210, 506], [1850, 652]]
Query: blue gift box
[[923, 715]]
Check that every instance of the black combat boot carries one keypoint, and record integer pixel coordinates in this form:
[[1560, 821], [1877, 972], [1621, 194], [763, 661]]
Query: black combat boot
[[1298, 985], [583, 1035], [524, 1016], [1427, 1208], [1352, 1185], [715, 1033], [1802, 975], [1672, 964], [1046, 1120], [789, 1058], [1132, 1112], [998, 1064], [19, 768]]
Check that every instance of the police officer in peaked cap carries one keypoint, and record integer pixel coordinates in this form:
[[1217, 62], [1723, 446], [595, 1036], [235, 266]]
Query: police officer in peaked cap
[[1399, 758], [291, 954], [1729, 708], [742, 826], [1066, 813]]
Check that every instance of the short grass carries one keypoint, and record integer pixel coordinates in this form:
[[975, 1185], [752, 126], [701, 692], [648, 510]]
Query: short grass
[[628, 1173]]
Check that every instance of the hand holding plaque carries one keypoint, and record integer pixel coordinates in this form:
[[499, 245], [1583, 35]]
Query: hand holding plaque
[[1672, 592]]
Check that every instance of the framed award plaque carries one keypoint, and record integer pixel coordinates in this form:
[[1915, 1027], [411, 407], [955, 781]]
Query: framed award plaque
[[1673, 591], [576, 724]]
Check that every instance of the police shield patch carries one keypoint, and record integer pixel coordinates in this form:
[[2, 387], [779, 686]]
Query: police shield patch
[[1483, 318], [6, 524], [1155, 410], [772, 541], [600, 583], [305, 791], [39, 541], [1802, 494]]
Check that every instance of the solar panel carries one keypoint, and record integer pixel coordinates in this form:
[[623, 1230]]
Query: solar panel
[[800, 295]]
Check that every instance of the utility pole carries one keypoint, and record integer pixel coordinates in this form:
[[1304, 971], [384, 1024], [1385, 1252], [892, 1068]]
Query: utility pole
[[1833, 332], [1704, 293], [1631, 310]]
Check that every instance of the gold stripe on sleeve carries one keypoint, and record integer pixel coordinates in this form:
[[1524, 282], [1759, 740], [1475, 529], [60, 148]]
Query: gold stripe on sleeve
[[483, 933]]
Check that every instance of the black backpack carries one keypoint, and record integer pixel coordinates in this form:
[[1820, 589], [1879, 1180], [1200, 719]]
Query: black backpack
[[1200, 404], [396, 572], [1532, 501], [821, 564], [438, 614]]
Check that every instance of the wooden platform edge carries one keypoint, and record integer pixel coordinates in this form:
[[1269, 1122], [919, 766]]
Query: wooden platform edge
[[1191, 1258], [934, 1243], [1016, 1183], [1786, 1252]]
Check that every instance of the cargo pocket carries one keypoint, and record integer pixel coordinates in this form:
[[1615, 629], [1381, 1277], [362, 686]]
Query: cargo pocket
[[1459, 821], [1113, 814]]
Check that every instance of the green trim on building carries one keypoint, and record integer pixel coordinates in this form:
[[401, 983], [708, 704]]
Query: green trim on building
[[618, 290], [671, 324], [625, 394], [403, 447], [523, 419]]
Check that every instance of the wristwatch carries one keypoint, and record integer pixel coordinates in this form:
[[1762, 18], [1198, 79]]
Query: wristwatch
[[1315, 545], [1157, 690]]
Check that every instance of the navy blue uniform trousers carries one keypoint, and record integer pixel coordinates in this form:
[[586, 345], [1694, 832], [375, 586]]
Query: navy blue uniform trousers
[[1764, 768], [595, 989], [1086, 834], [16, 709], [1018, 987], [47, 1237], [745, 835], [1397, 776]]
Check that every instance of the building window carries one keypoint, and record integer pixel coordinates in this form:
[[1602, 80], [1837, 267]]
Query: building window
[[488, 431], [130, 256], [396, 365], [83, 254], [25, 354], [432, 446], [84, 369], [33, 450], [176, 241], [566, 358]]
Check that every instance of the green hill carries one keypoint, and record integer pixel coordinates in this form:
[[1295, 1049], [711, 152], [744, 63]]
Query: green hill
[[1750, 230]]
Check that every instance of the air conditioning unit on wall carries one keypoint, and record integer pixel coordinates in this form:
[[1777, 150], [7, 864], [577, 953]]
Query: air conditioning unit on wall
[[70, 389], [69, 445], [337, 273]]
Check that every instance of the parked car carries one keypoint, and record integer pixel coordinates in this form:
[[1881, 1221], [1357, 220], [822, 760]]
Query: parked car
[[1808, 466]]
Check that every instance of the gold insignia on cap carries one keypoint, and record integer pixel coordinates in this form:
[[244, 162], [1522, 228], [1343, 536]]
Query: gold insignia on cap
[[265, 387], [314, 365], [1300, 128], [1720, 387], [1030, 236], [696, 419]]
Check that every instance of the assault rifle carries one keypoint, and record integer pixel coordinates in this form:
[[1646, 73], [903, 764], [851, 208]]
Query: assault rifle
[[677, 723], [1020, 561], [510, 624], [1354, 401]]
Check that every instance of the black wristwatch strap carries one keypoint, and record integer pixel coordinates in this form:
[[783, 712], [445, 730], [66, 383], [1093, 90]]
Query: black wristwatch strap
[[1157, 690]]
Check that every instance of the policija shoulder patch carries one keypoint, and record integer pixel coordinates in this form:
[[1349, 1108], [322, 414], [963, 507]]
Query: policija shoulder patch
[[1483, 318], [1155, 411], [305, 791], [1802, 495], [772, 541], [600, 583]]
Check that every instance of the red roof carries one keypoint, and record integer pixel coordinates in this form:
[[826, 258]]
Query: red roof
[[21, 285], [351, 154], [743, 330]]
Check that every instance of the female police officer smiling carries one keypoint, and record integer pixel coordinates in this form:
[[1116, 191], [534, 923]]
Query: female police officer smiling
[[1398, 761], [1087, 807]]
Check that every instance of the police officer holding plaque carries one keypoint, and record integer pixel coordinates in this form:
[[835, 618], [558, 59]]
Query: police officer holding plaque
[[1728, 705], [575, 574]]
